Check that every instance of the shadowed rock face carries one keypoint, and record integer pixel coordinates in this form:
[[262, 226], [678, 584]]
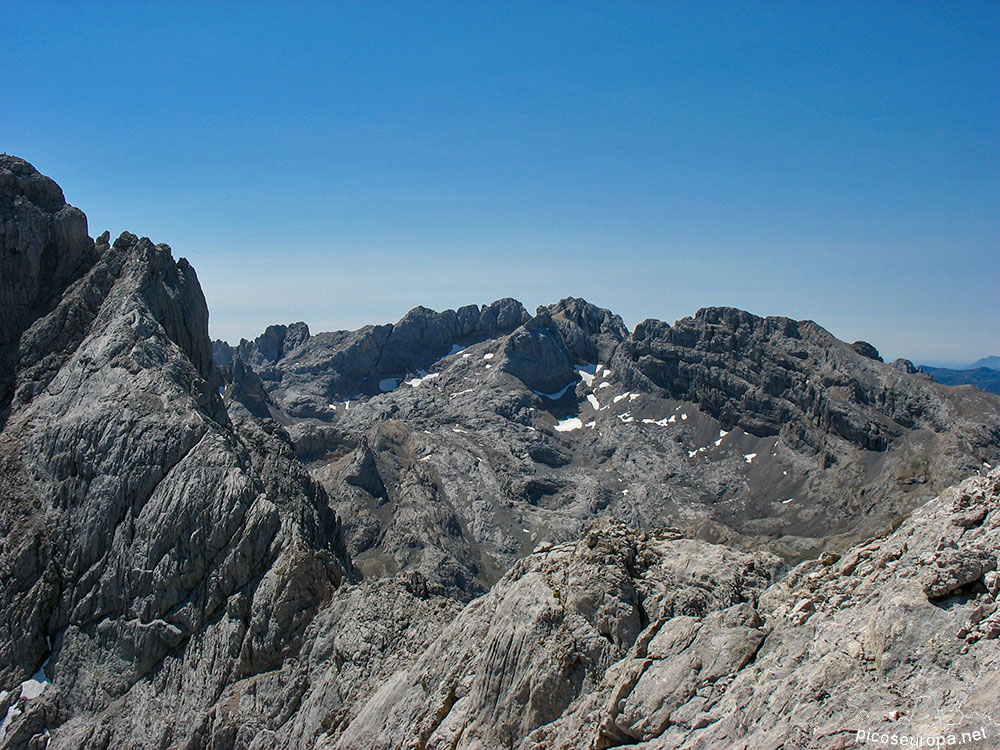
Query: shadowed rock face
[[590, 333], [172, 575], [764, 374], [44, 247], [309, 371]]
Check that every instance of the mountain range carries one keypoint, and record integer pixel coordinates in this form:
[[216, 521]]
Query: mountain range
[[984, 377], [477, 528], [992, 362]]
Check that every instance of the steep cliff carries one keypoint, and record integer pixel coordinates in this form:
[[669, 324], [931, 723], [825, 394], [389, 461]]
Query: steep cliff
[[154, 551]]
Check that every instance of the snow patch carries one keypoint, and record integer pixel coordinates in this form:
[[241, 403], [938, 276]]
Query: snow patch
[[591, 424], [786, 502], [593, 401], [621, 397], [34, 685], [569, 424], [422, 378], [587, 372], [604, 385], [460, 393], [723, 433], [749, 457], [489, 355], [633, 396], [684, 416]]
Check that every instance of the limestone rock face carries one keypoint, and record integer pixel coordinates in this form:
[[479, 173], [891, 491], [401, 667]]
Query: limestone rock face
[[307, 372], [775, 375], [625, 639], [44, 247], [243, 387], [537, 355], [490, 438], [526, 653], [591, 333], [154, 550]]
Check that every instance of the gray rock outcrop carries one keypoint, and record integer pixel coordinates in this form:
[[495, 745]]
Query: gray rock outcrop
[[653, 641], [154, 550]]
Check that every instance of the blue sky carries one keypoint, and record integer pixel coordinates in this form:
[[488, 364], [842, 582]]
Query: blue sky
[[342, 163]]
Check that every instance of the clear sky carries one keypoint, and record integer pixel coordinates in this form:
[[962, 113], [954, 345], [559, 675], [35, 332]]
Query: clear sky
[[341, 163]]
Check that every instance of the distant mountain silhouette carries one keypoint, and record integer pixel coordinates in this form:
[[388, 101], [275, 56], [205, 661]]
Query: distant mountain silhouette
[[984, 378], [992, 362]]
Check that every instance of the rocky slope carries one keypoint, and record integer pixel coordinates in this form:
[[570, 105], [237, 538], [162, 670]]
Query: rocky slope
[[154, 549], [174, 574], [628, 639], [456, 449]]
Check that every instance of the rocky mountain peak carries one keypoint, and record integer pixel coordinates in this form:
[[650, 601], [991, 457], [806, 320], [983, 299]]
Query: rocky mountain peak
[[867, 350], [44, 248], [591, 333], [21, 183], [143, 527]]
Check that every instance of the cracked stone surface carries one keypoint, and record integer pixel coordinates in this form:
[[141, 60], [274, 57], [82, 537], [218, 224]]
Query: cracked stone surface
[[627, 639], [154, 549]]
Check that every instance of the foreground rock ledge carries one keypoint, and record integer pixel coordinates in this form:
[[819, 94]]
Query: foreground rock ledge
[[650, 641]]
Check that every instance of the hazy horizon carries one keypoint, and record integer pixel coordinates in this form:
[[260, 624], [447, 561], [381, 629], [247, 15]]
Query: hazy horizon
[[342, 165]]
